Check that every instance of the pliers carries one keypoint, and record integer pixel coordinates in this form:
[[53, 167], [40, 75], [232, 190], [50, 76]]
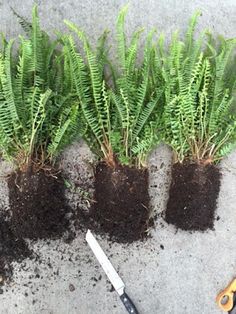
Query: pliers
[[226, 299]]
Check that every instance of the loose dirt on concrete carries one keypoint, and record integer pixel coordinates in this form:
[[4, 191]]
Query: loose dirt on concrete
[[173, 271], [12, 249]]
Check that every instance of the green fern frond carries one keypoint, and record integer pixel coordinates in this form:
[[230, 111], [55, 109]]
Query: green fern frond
[[116, 117], [145, 116], [121, 38], [198, 118], [189, 37], [33, 99], [7, 77]]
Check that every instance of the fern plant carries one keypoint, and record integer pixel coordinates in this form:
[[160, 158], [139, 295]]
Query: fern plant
[[38, 114], [120, 120], [200, 124]]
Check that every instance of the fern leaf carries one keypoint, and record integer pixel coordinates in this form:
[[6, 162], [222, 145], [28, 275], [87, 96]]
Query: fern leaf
[[121, 40]]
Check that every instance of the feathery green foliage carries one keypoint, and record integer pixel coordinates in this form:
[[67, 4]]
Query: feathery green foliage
[[38, 115], [136, 102], [198, 118], [120, 120]]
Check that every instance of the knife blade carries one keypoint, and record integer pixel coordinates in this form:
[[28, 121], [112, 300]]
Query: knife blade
[[111, 273]]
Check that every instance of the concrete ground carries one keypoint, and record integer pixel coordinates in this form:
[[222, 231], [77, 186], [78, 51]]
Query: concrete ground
[[172, 272]]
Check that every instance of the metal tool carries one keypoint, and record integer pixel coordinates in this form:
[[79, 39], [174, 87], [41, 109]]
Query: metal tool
[[226, 299], [111, 273], [233, 311]]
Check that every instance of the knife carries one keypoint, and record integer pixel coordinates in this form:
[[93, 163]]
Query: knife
[[111, 273]]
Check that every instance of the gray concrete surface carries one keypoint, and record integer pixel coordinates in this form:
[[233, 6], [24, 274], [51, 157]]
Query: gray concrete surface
[[96, 15], [182, 278]]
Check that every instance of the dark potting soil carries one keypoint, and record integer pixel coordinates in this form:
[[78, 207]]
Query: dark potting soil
[[12, 249], [193, 196], [121, 202], [38, 205]]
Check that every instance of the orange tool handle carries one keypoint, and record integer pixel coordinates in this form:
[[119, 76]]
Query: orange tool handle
[[225, 298]]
